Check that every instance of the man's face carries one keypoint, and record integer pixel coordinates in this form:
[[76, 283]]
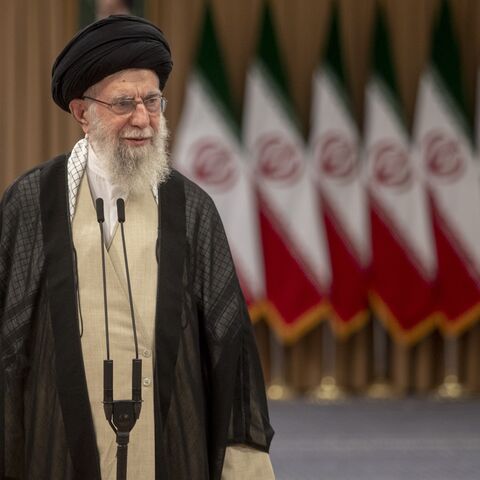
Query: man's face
[[131, 147], [136, 84]]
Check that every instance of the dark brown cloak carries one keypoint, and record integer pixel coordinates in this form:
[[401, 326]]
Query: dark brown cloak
[[209, 387]]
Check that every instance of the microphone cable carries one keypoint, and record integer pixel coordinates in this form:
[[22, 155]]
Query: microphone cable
[[121, 221]]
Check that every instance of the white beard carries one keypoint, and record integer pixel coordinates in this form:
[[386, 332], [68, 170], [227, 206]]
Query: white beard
[[133, 169]]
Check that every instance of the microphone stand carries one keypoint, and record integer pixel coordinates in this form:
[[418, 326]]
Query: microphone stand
[[120, 414]]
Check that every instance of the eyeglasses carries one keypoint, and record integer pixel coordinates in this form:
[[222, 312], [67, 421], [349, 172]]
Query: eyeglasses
[[126, 106]]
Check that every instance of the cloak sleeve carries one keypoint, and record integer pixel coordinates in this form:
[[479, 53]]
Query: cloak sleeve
[[11, 441], [20, 265], [239, 412], [2, 382]]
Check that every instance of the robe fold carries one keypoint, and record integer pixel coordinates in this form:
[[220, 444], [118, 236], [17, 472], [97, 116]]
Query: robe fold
[[209, 390]]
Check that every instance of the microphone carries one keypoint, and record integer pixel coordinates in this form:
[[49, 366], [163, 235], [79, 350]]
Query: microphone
[[99, 209], [100, 220], [121, 210], [107, 364], [136, 362]]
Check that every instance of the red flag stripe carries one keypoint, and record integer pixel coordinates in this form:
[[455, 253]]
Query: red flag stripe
[[348, 293], [458, 284], [295, 302], [397, 281]]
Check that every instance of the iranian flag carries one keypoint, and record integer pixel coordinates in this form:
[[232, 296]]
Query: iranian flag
[[334, 144], [403, 252], [295, 250], [208, 150], [443, 151]]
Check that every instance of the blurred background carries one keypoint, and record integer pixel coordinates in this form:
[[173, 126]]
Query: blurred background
[[338, 140]]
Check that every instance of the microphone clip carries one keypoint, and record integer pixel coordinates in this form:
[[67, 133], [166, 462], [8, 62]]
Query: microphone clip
[[122, 416]]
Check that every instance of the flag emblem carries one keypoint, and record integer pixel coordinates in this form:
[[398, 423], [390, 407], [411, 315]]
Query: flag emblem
[[391, 165], [336, 156], [213, 164], [277, 159], [443, 156]]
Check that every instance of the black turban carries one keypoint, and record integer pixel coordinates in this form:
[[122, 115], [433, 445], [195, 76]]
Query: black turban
[[105, 47]]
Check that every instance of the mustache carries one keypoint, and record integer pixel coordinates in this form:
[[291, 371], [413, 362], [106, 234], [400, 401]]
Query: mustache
[[137, 133]]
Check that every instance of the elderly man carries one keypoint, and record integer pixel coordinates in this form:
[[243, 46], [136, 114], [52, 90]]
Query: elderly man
[[203, 408]]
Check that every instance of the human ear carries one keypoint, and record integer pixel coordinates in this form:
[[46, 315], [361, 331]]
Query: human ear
[[78, 110]]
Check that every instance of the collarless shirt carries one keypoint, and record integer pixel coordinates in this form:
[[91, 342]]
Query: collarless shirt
[[102, 187]]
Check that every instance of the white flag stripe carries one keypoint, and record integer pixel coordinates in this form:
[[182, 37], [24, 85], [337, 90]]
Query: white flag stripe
[[393, 181], [334, 135], [282, 174], [207, 151], [447, 162]]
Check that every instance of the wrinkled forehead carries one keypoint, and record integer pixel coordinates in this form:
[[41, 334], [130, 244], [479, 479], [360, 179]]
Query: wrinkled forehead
[[129, 82]]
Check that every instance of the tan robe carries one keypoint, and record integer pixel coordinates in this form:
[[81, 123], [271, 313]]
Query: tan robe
[[240, 462]]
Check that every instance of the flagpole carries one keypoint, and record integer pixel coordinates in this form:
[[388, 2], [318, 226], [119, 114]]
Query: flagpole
[[380, 388], [451, 388], [278, 388], [328, 388]]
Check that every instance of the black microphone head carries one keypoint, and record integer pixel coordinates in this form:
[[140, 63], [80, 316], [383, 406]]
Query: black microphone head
[[121, 210], [99, 208]]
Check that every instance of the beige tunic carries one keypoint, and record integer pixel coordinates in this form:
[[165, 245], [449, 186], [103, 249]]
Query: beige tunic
[[140, 239], [141, 235]]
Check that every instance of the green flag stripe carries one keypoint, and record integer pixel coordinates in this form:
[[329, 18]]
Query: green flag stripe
[[333, 54], [210, 66], [270, 64], [215, 100], [383, 65], [445, 58], [334, 63], [268, 51]]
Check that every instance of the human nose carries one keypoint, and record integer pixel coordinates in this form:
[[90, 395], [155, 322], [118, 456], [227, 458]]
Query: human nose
[[140, 116]]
